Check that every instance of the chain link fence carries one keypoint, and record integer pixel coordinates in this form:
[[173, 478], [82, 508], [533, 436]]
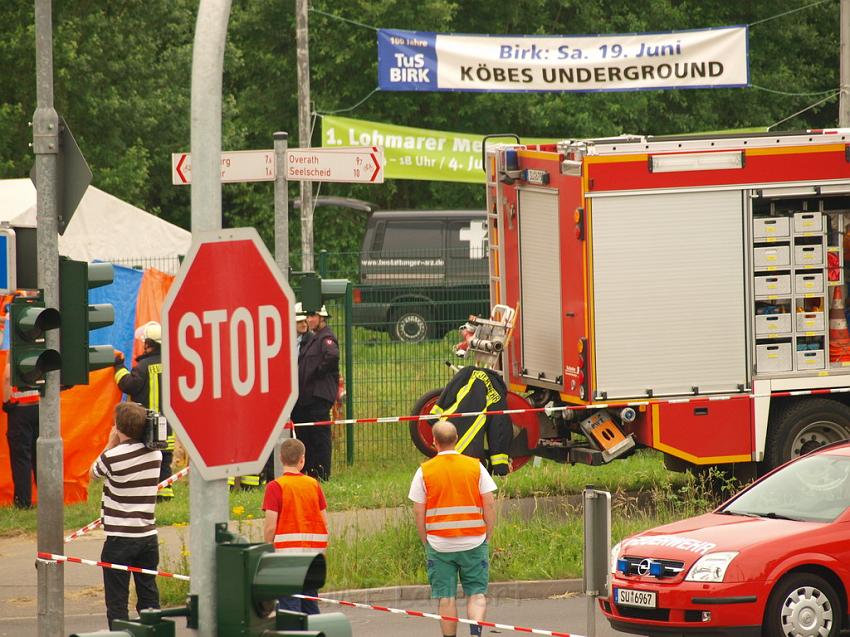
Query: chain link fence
[[402, 317], [397, 329]]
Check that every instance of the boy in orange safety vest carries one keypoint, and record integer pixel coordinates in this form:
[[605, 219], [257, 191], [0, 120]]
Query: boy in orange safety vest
[[296, 517], [454, 509]]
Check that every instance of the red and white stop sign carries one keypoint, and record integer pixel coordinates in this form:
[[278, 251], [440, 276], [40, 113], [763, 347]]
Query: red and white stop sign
[[228, 353]]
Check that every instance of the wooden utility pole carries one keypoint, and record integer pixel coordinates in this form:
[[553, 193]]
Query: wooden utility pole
[[844, 65], [303, 57]]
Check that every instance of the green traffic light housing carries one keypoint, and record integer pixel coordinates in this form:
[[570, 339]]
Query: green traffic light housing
[[76, 278], [31, 359], [250, 577]]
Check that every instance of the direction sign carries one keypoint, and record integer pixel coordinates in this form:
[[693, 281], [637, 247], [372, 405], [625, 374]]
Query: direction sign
[[359, 164], [228, 353], [236, 166]]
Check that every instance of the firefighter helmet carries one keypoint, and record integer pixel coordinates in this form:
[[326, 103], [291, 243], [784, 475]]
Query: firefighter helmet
[[150, 331]]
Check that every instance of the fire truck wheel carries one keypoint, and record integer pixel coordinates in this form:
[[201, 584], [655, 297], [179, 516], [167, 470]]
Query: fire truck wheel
[[420, 430], [803, 427], [410, 325], [803, 604]]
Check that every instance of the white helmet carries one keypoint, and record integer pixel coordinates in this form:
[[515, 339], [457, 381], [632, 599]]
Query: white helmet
[[323, 312], [299, 313], [150, 331]]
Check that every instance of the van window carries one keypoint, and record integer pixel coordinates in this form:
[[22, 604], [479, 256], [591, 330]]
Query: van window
[[468, 239], [414, 237]]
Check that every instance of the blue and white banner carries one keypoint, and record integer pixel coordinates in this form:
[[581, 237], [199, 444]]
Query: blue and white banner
[[701, 58]]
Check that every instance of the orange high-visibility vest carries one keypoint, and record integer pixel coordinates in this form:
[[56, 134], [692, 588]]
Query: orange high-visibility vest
[[301, 529], [453, 506]]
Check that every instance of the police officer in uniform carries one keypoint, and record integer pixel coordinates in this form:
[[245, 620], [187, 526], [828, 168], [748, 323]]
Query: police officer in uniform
[[144, 385], [318, 384]]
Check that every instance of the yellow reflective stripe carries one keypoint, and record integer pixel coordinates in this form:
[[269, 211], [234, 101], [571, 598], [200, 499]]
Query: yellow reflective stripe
[[436, 409], [153, 387], [251, 481], [121, 373], [500, 458], [170, 440], [461, 394], [470, 434]]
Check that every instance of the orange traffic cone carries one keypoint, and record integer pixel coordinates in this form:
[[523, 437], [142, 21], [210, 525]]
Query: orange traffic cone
[[839, 339]]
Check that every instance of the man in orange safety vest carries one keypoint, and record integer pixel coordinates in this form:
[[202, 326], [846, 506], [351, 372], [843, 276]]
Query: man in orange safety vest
[[454, 509], [296, 517]]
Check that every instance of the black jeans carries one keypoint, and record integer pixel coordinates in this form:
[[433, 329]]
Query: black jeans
[[142, 552], [317, 440], [22, 433]]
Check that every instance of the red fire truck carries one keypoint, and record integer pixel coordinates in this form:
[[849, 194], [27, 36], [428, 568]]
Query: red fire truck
[[679, 293]]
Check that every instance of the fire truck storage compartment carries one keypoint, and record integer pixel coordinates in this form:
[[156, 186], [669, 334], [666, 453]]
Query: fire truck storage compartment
[[540, 284], [668, 287], [792, 326]]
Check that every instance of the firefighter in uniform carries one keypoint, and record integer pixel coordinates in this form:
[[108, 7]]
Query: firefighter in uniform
[[21, 407], [318, 386], [144, 385]]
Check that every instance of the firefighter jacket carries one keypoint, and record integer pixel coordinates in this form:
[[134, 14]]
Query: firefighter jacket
[[318, 368], [300, 526], [144, 385], [453, 504], [474, 389]]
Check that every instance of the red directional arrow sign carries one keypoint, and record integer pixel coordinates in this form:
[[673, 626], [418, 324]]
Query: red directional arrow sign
[[228, 351]]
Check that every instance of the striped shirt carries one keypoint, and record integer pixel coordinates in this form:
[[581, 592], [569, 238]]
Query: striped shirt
[[131, 471]]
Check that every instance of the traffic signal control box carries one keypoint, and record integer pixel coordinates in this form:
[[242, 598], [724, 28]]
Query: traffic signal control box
[[31, 359], [79, 358]]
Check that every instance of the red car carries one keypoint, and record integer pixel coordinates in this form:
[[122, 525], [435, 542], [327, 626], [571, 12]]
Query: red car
[[773, 561]]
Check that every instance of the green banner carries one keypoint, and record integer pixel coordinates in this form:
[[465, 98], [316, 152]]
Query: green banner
[[415, 153]]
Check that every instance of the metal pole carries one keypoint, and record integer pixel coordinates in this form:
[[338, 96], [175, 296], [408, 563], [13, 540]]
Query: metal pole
[[281, 244], [349, 372], [303, 60], [281, 204], [45, 123], [844, 65], [208, 500]]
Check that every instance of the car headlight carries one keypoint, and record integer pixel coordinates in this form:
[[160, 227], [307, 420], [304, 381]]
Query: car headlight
[[711, 567], [615, 554]]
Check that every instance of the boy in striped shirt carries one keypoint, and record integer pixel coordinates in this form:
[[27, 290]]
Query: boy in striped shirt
[[131, 474]]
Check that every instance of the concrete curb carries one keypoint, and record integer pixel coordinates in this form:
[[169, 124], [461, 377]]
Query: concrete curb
[[533, 589]]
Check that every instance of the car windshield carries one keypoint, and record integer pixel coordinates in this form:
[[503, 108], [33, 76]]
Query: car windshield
[[813, 489]]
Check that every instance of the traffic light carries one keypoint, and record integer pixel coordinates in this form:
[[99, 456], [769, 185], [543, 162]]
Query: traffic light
[[31, 358], [76, 278], [250, 577]]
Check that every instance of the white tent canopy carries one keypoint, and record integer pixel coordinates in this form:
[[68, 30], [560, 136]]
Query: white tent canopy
[[103, 227]]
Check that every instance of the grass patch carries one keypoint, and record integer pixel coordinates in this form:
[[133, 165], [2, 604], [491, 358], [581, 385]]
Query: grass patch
[[385, 484]]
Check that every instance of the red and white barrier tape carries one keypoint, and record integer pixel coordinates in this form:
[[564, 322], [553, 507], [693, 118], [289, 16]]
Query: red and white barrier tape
[[52, 557], [91, 526], [555, 409], [459, 620]]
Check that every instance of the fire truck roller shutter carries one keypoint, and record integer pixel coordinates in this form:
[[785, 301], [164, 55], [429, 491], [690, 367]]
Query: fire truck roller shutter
[[668, 281], [540, 284]]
